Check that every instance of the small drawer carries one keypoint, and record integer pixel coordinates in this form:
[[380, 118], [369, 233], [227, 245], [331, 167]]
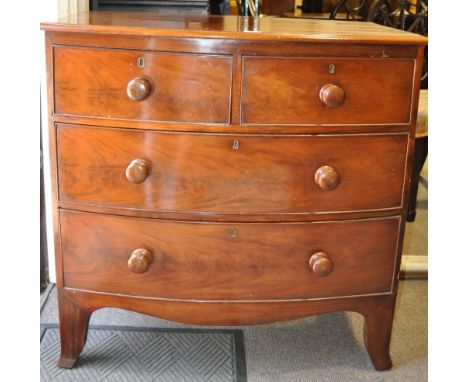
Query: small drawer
[[309, 91], [232, 174], [142, 85], [222, 261]]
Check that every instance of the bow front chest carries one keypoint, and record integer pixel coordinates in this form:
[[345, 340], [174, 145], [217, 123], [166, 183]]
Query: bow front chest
[[228, 170]]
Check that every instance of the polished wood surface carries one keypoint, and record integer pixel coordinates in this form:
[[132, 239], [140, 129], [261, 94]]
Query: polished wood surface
[[74, 321], [223, 261], [236, 128], [269, 47], [229, 217], [296, 96], [234, 171], [232, 27], [266, 174], [377, 333], [176, 87], [377, 311]]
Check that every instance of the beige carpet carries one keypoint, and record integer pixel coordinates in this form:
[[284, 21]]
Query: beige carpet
[[322, 348]]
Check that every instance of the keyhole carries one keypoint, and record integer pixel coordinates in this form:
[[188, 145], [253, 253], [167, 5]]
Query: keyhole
[[235, 145], [141, 62], [233, 232], [331, 68]]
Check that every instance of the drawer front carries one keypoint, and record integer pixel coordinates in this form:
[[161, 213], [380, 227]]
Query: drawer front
[[297, 91], [229, 173], [172, 87], [219, 261]]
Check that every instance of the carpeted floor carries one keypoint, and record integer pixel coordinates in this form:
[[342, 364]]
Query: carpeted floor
[[322, 348], [126, 353]]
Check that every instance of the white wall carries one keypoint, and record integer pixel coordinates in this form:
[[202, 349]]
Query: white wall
[[50, 10]]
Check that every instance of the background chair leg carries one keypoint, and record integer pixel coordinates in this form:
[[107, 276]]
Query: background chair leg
[[420, 155]]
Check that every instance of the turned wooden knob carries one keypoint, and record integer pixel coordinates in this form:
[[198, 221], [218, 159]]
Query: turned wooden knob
[[331, 95], [140, 260], [320, 264], [139, 88], [327, 178], [137, 171]]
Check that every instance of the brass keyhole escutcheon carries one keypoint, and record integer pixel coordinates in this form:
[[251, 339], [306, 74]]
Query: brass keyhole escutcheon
[[331, 68], [233, 232], [141, 62], [235, 144]]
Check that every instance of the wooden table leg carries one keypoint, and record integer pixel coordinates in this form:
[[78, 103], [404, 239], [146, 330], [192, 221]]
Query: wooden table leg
[[73, 330], [377, 332]]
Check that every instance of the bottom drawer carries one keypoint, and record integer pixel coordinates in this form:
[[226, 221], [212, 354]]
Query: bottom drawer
[[223, 261]]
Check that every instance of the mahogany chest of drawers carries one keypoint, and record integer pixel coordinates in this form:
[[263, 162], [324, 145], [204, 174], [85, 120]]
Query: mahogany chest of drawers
[[229, 171]]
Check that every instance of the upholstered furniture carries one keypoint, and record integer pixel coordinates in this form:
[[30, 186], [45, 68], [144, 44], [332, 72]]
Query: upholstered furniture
[[229, 171]]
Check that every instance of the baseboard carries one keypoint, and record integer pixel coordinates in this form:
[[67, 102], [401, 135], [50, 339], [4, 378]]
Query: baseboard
[[414, 267]]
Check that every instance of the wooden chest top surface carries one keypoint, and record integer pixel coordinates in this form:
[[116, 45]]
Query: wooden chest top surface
[[232, 27]]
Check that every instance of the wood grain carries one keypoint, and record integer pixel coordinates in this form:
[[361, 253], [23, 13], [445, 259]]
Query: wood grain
[[202, 173], [373, 308], [227, 312], [234, 128], [378, 324], [262, 47], [74, 321], [375, 91], [234, 235], [230, 217], [203, 261], [183, 87], [233, 27]]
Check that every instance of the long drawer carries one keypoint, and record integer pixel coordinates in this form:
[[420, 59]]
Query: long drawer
[[232, 174], [222, 261], [127, 84], [326, 91]]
